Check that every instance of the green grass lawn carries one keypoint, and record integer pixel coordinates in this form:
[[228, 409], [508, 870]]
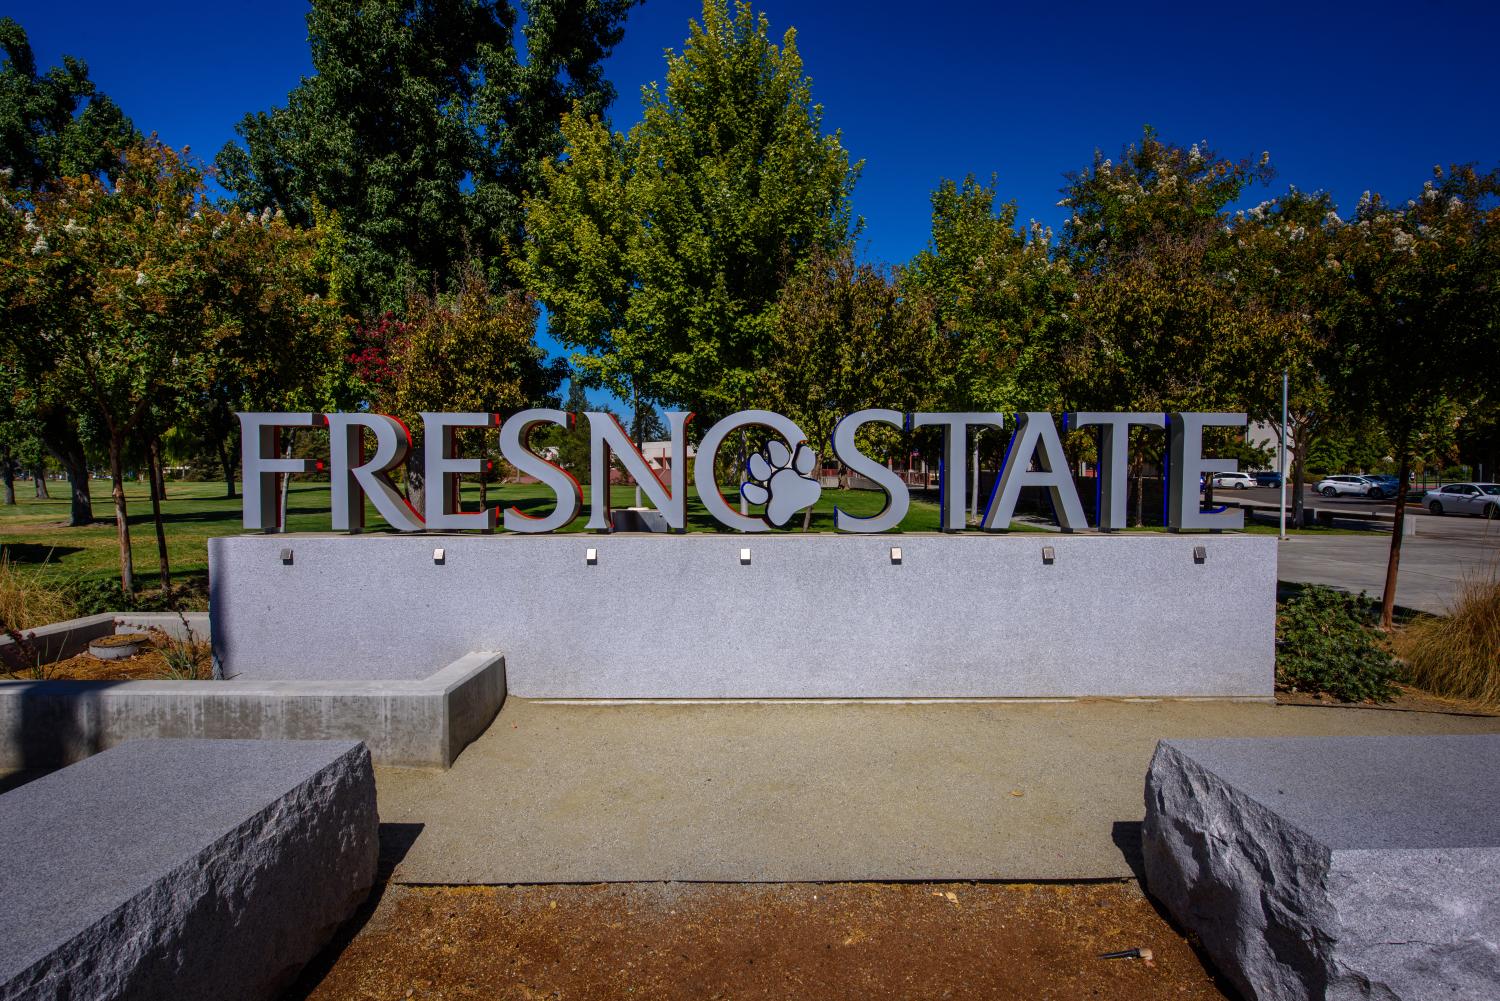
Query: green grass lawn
[[35, 534], [36, 538]]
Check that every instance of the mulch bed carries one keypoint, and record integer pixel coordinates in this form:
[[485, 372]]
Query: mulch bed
[[147, 665], [761, 941]]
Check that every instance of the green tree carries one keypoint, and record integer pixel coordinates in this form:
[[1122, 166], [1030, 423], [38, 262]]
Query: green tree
[[1000, 297], [132, 296], [1284, 269], [660, 254], [1416, 317], [846, 338], [473, 351], [54, 124], [1157, 326], [423, 127]]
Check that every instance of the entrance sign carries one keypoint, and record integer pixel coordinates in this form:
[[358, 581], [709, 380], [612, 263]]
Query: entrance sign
[[782, 477]]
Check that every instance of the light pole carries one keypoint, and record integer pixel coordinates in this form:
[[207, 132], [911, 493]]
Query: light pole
[[1285, 380]]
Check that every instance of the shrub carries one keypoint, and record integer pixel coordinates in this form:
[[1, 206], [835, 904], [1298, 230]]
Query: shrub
[[1458, 655], [1326, 642], [28, 599], [92, 595]]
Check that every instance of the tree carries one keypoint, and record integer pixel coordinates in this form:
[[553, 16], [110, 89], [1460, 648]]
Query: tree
[[133, 296], [1283, 270], [1000, 301], [1157, 326], [52, 125], [845, 338], [472, 352], [55, 124], [660, 254], [422, 127], [1416, 316]]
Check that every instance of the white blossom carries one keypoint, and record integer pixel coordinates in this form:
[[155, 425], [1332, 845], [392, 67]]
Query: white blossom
[[140, 278], [1455, 204], [6, 173], [1332, 218], [1365, 200], [1265, 157], [1194, 155], [1403, 240], [30, 225], [41, 246], [72, 228], [1064, 202]]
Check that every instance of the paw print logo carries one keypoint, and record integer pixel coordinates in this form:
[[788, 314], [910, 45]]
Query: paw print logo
[[779, 478]]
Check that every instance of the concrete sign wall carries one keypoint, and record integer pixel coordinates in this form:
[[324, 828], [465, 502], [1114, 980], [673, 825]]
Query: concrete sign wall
[[782, 616]]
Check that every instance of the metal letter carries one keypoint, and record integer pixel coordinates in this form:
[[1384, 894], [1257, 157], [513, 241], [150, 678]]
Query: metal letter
[[442, 468], [606, 438], [951, 480], [352, 477], [1035, 429], [1114, 460], [1185, 448], [263, 466], [847, 452], [514, 433], [708, 453]]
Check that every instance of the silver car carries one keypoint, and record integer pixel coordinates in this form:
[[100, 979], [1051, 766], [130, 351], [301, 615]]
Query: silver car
[[1465, 498], [1334, 486]]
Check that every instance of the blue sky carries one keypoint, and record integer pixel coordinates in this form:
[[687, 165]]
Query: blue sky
[[1346, 97]]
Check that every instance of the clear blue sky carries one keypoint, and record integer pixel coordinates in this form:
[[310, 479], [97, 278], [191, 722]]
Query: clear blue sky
[[1344, 96]]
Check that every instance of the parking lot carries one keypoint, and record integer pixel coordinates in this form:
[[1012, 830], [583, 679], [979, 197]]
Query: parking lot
[[1434, 562]]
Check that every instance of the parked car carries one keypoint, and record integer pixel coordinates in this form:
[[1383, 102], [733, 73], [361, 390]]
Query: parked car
[[1239, 481], [1465, 498], [1271, 479], [1384, 485], [1338, 486]]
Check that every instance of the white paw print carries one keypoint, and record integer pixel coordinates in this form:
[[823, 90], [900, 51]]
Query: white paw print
[[779, 479]]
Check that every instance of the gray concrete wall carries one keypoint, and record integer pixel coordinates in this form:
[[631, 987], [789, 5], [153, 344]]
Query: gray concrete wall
[[422, 724], [808, 616]]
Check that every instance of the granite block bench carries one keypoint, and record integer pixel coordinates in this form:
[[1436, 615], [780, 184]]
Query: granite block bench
[[183, 868], [1333, 867]]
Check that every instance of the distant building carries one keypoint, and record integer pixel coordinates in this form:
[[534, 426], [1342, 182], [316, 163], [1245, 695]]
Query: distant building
[[1263, 434]]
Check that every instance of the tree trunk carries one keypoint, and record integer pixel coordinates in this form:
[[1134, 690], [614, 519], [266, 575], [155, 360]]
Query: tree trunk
[[416, 486], [158, 477], [8, 474], [284, 480], [39, 478], [122, 521], [1388, 599], [226, 456], [153, 454], [1299, 470], [1140, 494], [61, 438]]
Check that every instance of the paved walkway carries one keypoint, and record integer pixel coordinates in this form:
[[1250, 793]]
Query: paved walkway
[[1434, 562], [792, 792]]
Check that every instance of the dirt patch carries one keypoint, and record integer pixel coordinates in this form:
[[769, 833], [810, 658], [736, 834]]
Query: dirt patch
[[154, 662], [762, 941], [1408, 699]]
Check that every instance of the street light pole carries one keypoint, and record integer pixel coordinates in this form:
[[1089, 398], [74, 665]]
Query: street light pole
[[1285, 380]]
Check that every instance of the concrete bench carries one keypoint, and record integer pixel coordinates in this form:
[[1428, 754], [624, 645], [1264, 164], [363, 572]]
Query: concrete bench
[[418, 723], [183, 868], [1333, 867]]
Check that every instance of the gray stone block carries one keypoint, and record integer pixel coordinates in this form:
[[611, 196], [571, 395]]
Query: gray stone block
[[1333, 867], [419, 724], [182, 868], [810, 616]]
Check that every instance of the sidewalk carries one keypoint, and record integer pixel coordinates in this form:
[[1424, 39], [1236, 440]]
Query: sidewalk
[[798, 792]]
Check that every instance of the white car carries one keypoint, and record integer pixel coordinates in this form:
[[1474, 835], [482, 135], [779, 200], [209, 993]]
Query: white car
[[1482, 499], [1336, 486], [1239, 481]]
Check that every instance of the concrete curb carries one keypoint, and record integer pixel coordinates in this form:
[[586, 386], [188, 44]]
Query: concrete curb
[[416, 724]]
